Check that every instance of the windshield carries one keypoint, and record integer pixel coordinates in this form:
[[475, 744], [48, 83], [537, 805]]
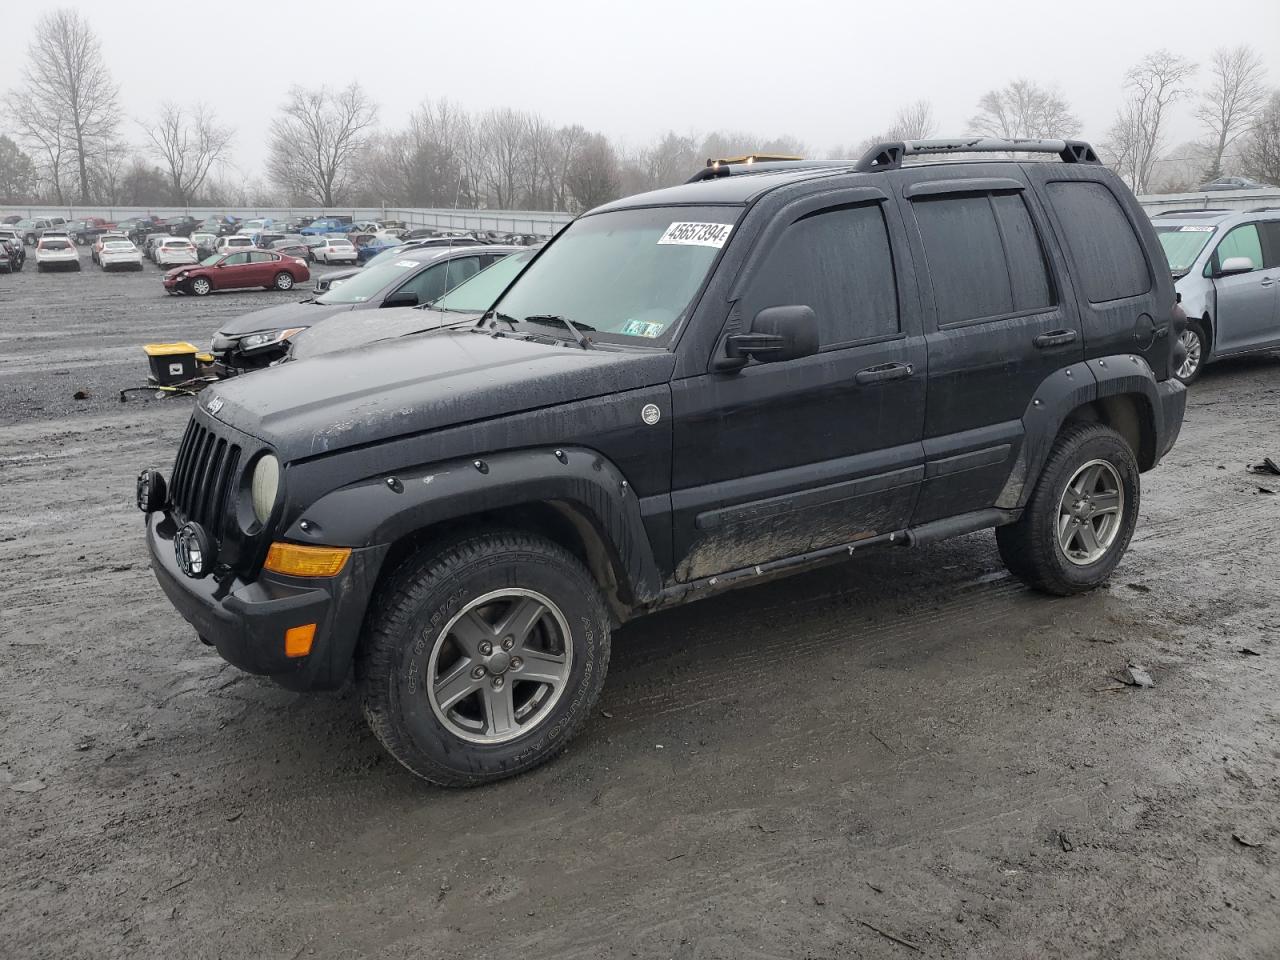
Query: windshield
[[477, 294], [1182, 244], [369, 281], [628, 274]]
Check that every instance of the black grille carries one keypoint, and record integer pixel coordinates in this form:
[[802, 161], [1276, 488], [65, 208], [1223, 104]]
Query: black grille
[[203, 476]]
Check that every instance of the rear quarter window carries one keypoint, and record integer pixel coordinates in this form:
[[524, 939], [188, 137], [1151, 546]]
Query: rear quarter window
[[1106, 252]]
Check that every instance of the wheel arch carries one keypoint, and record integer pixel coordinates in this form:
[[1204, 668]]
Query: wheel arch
[[572, 496]]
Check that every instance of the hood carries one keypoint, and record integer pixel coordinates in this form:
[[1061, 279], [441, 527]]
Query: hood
[[296, 314], [396, 388], [333, 275], [360, 327]]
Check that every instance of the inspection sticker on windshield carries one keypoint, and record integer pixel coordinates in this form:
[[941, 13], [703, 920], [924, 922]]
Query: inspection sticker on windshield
[[697, 234], [406, 263], [1192, 228], [640, 328]]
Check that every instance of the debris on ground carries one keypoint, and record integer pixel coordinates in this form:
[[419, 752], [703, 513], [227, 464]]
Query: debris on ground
[[1065, 842], [1140, 587], [1250, 652], [1243, 842], [1135, 675], [80, 395], [1262, 489], [27, 786], [889, 936], [1267, 466]]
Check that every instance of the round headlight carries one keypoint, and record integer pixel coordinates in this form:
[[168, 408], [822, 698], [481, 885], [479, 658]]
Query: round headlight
[[265, 486]]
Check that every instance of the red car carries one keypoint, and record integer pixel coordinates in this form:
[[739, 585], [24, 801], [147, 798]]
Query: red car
[[244, 268]]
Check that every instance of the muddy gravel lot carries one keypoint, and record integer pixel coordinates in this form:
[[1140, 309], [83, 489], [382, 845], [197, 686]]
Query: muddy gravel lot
[[908, 755]]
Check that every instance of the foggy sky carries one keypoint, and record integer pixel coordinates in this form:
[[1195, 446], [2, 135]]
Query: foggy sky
[[828, 73]]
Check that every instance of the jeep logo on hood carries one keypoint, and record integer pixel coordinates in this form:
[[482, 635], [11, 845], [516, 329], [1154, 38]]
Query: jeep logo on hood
[[214, 405]]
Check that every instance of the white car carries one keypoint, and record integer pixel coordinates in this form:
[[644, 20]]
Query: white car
[[205, 243], [335, 250], [175, 252], [56, 253], [254, 226], [232, 243], [119, 253]]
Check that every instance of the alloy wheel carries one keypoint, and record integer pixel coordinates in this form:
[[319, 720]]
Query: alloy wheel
[[1090, 512], [1190, 341], [500, 666]]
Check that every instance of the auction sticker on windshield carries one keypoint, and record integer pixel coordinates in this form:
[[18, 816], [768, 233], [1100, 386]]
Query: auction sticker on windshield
[[1192, 228], [697, 234]]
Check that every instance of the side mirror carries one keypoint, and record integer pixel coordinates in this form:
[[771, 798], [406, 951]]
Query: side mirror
[[1234, 265], [402, 298], [777, 333]]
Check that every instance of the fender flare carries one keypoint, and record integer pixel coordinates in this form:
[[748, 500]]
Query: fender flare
[[1065, 391], [382, 509]]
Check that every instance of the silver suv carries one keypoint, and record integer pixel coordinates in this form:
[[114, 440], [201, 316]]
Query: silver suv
[[1226, 266]]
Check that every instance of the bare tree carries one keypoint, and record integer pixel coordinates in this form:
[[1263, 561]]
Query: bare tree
[[1262, 146], [50, 140], [593, 176], [316, 140], [503, 134], [68, 102], [1237, 92], [17, 174], [189, 144], [1021, 110], [1136, 136], [914, 122]]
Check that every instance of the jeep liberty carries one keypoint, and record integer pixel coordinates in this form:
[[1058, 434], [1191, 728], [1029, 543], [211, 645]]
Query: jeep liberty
[[775, 365]]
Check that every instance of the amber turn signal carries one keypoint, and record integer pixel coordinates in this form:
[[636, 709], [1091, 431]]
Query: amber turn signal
[[295, 560], [298, 640]]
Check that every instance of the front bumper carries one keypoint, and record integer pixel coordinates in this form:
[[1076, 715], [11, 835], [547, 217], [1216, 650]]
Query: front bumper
[[246, 620]]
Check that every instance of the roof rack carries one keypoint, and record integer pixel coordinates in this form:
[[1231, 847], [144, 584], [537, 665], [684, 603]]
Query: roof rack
[[890, 154], [1191, 211], [760, 163]]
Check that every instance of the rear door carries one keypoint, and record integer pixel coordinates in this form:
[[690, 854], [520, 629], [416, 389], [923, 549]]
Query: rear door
[[996, 328], [780, 459], [1247, 302], [263, 267]]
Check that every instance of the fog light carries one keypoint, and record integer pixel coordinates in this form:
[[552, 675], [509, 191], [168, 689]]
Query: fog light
[[150, 491], [195, 550]]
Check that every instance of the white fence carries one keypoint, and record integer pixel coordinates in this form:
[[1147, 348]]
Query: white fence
[[1212, 199], [542, 224]]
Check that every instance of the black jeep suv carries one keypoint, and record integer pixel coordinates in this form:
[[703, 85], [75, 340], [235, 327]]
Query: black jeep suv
[[774, 365]]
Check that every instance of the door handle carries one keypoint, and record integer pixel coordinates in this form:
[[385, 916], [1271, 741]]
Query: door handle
[[883, 373], [1055, 338], [1268, 281]]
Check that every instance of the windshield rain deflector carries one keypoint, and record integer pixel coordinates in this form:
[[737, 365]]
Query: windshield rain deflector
[[629, 274]]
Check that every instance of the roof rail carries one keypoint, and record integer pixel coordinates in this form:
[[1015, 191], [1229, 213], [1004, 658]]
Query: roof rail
[[726, 168], [890, 154], [1191, 211], [1265, 210]]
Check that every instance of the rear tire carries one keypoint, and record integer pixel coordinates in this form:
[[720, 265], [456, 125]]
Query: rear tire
[[284, 280], [455, 714], [1070, 541]]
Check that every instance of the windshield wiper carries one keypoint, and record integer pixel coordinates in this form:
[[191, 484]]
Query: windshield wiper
[[496, 315], [574, 328]]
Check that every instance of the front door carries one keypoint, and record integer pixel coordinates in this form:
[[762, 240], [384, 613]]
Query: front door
[[1247, 302], [777, 460], [232, 272]]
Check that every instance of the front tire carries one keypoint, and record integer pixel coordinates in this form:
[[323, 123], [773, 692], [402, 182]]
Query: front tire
[[483, 656], [1080, 517], [1195, 341]]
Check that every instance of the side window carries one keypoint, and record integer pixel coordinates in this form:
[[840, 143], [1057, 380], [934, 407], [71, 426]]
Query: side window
[[260, 257], [1106, 252], [966, 258], [838, 262], [1028, 271], [1271, 242], [236, 259], [1243, 241], [435, 281]]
